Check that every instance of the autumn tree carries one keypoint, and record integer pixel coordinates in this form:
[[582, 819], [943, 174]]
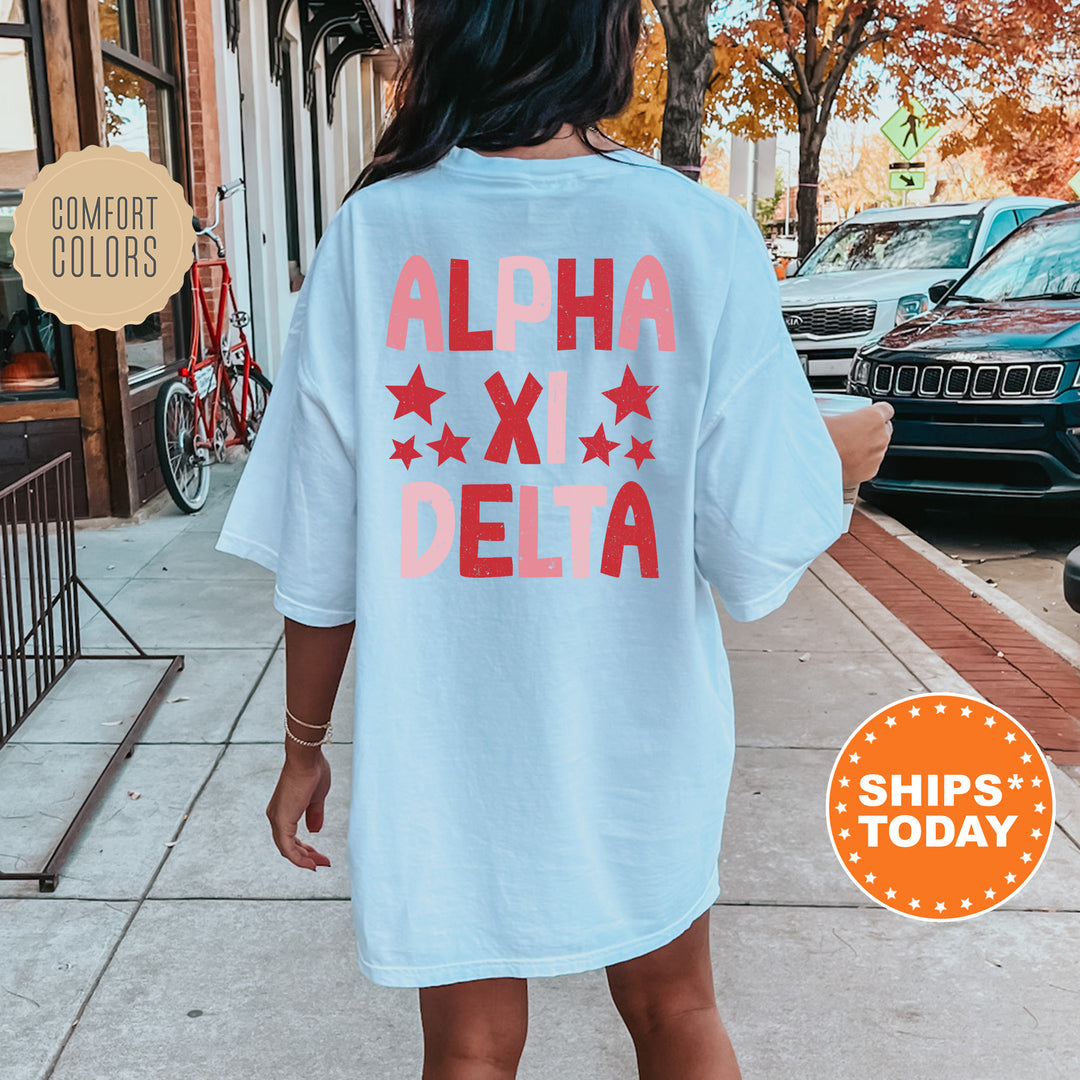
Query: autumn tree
[[1041, 160], [798, 64], [689, 68], [640, 124]]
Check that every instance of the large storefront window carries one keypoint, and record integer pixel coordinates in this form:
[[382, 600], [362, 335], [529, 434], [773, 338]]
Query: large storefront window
[[34, 346], [140, 115]]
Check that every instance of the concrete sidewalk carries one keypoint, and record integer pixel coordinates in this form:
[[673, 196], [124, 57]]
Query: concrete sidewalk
[[180, 945]]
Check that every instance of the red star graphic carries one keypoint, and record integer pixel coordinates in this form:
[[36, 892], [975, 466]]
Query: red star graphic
[[449, 446], [405, 452], [597, 446], [640, 451], [630, 397], [415, 396]]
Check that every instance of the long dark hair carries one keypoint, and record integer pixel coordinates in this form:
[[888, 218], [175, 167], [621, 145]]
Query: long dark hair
[[494, 74]]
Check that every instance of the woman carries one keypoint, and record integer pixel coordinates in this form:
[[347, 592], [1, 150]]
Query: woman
[[537, 396]]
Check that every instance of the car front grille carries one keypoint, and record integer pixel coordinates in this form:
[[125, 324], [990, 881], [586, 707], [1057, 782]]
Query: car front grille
[[978, 381], [827, 321]]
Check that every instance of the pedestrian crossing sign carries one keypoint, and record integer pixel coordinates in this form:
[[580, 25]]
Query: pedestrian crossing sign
[[907, 180], [908, 130]]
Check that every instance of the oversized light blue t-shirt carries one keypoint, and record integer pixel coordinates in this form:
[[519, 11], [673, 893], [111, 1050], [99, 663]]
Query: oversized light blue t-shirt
[[527, 412]]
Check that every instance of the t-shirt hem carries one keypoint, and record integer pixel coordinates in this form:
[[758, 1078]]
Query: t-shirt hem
[[307, 614], [764, 605], [441, 974], [246, 548]]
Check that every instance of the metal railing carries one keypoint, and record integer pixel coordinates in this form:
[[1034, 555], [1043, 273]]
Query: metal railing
[[39, 626]]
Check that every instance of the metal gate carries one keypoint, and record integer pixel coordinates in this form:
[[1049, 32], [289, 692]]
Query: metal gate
[[39, 626]]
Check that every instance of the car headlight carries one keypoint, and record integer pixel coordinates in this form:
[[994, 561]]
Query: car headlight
[[910, 306]]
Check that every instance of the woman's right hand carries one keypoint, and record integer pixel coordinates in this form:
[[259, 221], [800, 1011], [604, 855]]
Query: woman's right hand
[[861, 439], [300, 793]]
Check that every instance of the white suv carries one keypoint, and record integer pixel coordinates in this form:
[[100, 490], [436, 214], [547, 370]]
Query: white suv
[[875, 271]]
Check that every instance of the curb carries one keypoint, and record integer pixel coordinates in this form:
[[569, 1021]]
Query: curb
[[933, 672], [925, 665], [150, 509], [993, 651], [1026, 619]]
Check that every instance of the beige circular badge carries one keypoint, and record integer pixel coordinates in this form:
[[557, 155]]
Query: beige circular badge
[[103, 237]]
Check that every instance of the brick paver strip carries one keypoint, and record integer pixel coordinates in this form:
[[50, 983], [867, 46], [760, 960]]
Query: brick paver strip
[[1000, 659]]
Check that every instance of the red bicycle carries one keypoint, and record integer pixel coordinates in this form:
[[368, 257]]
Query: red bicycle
[[219, 398]]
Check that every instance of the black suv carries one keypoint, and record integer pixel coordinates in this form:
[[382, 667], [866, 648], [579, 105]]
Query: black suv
[[986, 386]]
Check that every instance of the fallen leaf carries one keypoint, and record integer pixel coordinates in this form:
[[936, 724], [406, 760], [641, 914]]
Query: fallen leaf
[[174, 700], [134, 795], [805, 656], [111, 723]]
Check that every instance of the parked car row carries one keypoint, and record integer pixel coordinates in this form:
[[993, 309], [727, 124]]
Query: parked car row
[[875, 270], [986, 385], [966, 319]]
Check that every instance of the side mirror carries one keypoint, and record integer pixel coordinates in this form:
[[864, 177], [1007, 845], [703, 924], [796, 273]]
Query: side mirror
[[937, 291], [791, 268]]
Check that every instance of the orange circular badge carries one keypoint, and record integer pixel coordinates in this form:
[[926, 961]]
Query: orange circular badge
[[940, 807]]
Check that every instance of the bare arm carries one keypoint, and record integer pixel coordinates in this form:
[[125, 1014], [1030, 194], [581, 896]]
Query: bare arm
[[314, 660]]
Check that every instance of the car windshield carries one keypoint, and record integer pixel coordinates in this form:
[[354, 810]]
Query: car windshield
[[913, 244], [1041, 260]]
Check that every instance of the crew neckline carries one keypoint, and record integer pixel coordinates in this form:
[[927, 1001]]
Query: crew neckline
[[461, 159]]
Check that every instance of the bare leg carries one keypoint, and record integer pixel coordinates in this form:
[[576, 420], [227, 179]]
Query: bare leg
[[474, 1030], [668, 1002]]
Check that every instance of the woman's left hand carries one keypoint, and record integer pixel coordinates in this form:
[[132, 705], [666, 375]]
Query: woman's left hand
[[300, 792]]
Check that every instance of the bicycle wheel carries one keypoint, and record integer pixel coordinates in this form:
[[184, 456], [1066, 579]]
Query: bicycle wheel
[[259, 387], [185, 469]]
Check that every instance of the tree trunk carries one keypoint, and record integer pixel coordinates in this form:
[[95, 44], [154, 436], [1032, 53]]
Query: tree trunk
[[689, 68], [811, 137]]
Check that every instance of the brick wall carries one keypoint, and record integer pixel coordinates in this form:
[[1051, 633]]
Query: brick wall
[[202, 104]]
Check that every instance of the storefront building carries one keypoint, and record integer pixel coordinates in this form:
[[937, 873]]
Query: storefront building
[[287, 94]]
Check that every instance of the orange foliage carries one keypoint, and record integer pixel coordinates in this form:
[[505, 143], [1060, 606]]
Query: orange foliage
[[640, 124], [988, 67], [984, 70], [1036, 152]]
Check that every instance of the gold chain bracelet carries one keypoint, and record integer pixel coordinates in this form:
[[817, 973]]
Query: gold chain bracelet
[[327, 734]]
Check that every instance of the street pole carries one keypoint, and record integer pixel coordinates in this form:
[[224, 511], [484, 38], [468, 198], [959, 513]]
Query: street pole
[[787, 193], [752, 188]]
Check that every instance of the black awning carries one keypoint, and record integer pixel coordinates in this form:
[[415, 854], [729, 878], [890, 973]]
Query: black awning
[[350, 25]]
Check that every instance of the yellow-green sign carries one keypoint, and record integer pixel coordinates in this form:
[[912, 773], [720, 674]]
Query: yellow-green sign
[[907, 180], [1074, 183], [908, 130]]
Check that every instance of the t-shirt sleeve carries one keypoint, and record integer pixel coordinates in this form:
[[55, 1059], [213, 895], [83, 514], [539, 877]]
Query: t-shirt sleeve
[[294, 508], [768, 487]]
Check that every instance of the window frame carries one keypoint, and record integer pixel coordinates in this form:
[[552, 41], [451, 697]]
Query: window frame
[[31, 31], [163, 79], [1007, 212]]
